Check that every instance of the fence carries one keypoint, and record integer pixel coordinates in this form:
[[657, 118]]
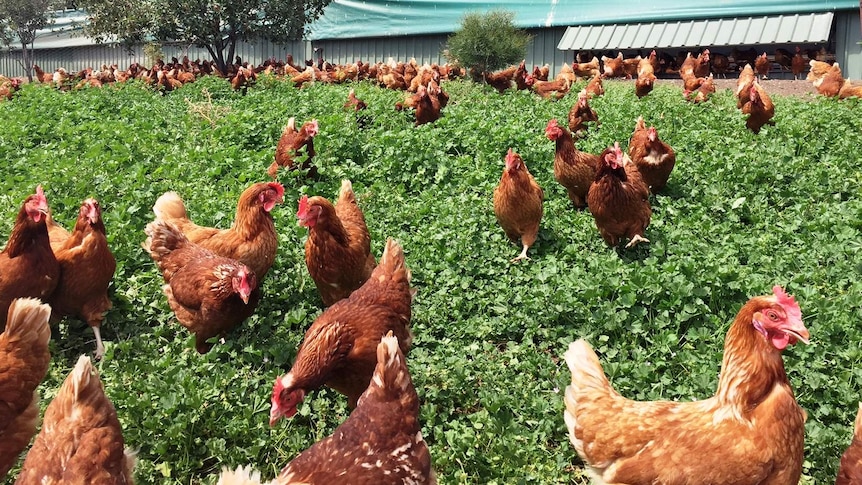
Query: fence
[[74, 59]]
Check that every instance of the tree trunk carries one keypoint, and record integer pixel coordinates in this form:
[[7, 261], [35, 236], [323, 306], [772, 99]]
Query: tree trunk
[[27, 59]]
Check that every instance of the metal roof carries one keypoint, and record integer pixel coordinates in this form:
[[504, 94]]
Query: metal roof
[[774, 29]]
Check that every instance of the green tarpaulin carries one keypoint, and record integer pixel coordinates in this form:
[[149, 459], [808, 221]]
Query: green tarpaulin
[[344, 19]]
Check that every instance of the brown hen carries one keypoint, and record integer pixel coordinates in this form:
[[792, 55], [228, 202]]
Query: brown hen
[[619, 199], [749, 433], [294, 144], [28, 267], [850, 470], [209, 294], [87, 267], [338, 248], [379, 443], [654, 158], [573, 169], [518, 203], [81, 439], [24, 360], [251, 239], [338, 348]]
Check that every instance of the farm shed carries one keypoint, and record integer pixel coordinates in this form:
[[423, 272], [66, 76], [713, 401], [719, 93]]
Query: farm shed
[[377, 29], [64, 45]]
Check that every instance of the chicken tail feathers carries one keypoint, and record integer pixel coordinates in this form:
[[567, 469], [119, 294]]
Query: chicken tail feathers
[[346, 191], [170, 206], [587, 375], [392, 260], [857, 425], [241, 476], [162, 238], [391, 375], [27, 322], [584, 364]]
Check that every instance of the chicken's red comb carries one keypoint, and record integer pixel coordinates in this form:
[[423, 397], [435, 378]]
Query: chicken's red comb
[[787, 302], [552, 123], [40, 195], [277, 187], [303, 207]]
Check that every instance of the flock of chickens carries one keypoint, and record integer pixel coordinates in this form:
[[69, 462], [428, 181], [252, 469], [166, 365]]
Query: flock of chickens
[[358, 345]]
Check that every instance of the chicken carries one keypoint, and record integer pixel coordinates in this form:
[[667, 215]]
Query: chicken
[[829, 81], [743, 85], [518, 203], [619, 199], [654, 158], [542, 73], [42, 76], [379, 443], [427, 103], [720, 64], [573, 169], [594, 88], [209, 294], [762, 65], [503, 79], [86, 269], [353, 103], [251, 239], [694, 71], [826, 79], [644, 84], [24, 359], [28, 267], [631, 66], [759, 108], [294, 143], [338, 248], [566, 72], [706, 88], [8, 87], [551, 89], [338, 348], [613, 66], [587, 69], [850, 471], [81, 439], [580, 114], [307, 76], [749, 433], [797, 64]]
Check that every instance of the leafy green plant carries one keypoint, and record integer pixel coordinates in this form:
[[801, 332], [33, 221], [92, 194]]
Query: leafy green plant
[[487, 41], [741, 213]]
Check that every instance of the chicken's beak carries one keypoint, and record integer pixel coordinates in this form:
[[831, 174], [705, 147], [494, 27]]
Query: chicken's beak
[[274, 415], [800, 334], [244, 297]]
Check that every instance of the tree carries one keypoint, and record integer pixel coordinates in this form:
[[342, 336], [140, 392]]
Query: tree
[[216, 25], [23, 18], [486, 42]]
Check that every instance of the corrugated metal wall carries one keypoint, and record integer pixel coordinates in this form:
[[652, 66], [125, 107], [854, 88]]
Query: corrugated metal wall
[[77, 58], [429, 48], [848, 51], [542, 50]]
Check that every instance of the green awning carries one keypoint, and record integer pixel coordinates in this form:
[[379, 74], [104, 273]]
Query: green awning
[[809, 28], [351, 19]]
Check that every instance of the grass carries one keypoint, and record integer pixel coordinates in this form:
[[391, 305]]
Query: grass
[[742, 212]]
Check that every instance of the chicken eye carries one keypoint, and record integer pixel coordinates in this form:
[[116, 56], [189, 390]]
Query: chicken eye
[[772, 315]]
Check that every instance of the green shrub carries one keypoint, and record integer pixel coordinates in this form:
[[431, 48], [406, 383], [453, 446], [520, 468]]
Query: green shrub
[[486, 42]]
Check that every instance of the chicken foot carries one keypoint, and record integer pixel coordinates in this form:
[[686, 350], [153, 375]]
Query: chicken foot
[[635, 240]]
